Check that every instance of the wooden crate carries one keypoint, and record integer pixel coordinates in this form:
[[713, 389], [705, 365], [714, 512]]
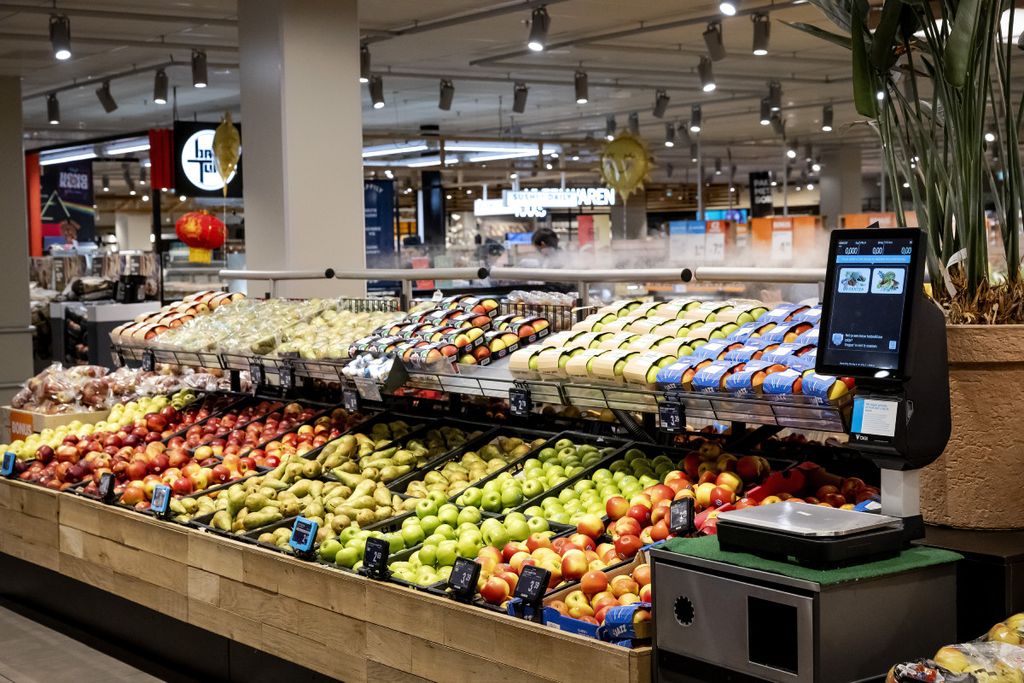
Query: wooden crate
[[337, 623]]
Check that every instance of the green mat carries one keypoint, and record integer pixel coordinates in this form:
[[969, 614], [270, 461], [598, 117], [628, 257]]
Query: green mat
[[706, 547]]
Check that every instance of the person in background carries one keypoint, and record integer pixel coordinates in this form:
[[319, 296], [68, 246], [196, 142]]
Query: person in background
[[545, 241]]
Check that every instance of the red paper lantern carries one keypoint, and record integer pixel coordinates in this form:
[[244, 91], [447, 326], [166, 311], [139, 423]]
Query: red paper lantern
[[202, 232]]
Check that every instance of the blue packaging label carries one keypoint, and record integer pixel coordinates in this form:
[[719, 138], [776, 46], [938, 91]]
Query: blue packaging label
[[709, 378], [819, 386], [712, 350], [811, 315], [781, 313], [745, 332], [781, 383], [784, 353], [809, 338], [618, 621], [742, 382], [804, 362], [673, 374]]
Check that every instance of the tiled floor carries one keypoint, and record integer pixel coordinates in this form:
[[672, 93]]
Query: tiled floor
[[33, 653]]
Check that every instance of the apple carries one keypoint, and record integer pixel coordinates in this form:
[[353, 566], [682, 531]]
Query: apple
[[646, 593], [582, 541], [626, 526], [730, 480], [744, 503], [182, 486], [520, 560], [703, 494], [850, 488], [826, 490], [659, 531], [559, 605], [627, 546], [574, 565], [581, 612], [721, 495], [642, 574], [511, 548], [622, 584], [495, 590], [591, 525], [538, 540], [660, 492], [594, 582], [616, 507], [641, 513]]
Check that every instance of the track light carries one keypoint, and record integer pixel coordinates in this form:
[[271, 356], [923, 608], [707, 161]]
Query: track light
[[713, 40], [808, 153], [447, 93], [670, 135], [707, 77], [581, 87], [694, 153], [539, 24], [60, 36], [777, 125], [661, 99], [634, 123], [142, 176], [519, 95], [199, 79], [106, 184], [695, 119], [718, 166], [729, 7], [127, 174], [364, 64], [609, 128], [377, 92], [816, 166], [52, 109], [775, 95], [826, 118], [160, 87], [762, 31], [791, 150], [683, 132], [766, 112], [105, 98]]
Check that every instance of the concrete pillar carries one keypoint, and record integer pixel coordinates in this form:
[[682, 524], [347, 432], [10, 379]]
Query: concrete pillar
[[629, 218], [133, 231], [15, 334], [302, 140], [841, 188]]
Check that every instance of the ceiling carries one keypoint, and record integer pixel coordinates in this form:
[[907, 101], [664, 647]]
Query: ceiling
[[627, 49]]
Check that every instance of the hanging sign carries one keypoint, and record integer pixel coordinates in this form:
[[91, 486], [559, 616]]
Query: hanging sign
[[761, 194], [196, 172]]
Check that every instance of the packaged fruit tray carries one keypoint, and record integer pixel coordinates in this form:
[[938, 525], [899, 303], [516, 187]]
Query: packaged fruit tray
[[546, 466], [466, 466]]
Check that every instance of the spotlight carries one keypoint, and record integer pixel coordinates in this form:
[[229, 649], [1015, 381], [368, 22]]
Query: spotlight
[[127, 173], [634, 123], [694, 153], [661, 99], [142, 176], [519, 95], [713, 41], [695, 119], [683, 132], [826, 118], [810, 186], [60, 36], [199, 79], [52, 109], [808, 153], [791, 150], [581, 87], [707, 78], [539, 24], [990, 136], [377, 92], [670, 135], [160, 87], [718, 166], [609, 128], [729, 7], [775, 95], [816, 167], [766, 112], [446, 95], [880, 95], [364, 64], [762, 30], [106, 184], [105, 98]]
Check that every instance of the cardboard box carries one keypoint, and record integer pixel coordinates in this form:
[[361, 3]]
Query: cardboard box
[[16, 423]]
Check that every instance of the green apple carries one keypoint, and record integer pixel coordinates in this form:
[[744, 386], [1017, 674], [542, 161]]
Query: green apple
[[329, 549], [471, 496], [426, 507], [560, 517], [564, 443], [491, 501], [443, 573], [347, 534], [534, 511], [346, 557], [573, 506], [565, 495], [396, 540], [498, 536], [469, 548], [464, 527], [412, 535], [468, 514], [489, 525], [602, 474], [429, 524], [537, 524], [532, 464], [511, 497], [447, 551], [532, 488], [546, 454], [609, 491], [584, 485], [427, 555], [435, 538], [471, 536], [448, 513], [518, 529], [425, 576], [445, 530], [438, 497]]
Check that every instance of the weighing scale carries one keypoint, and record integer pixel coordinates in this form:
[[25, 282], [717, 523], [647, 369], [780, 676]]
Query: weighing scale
[[878, 327]]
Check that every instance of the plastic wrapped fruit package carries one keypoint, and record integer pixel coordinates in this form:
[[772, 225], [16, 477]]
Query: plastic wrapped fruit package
[[977, 662], [148, 326], [330, 333]]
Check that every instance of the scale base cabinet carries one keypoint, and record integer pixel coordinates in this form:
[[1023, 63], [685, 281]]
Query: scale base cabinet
[[739, 624]]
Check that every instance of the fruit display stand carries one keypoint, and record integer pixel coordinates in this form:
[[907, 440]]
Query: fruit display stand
[[338, 624]]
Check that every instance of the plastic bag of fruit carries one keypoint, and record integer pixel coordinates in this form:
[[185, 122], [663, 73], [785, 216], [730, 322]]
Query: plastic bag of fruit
[[997, 656]]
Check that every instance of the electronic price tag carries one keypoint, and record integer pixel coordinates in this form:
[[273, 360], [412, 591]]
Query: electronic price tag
[[670, 415], [519, 401], [148, 360], [256, 375], [680, 517], [375, 558], [303, 536], [350, 399], [463, 579], [106, 487], [368, 389], [529, 593], [7, 469], [161, 499], [287, 377]]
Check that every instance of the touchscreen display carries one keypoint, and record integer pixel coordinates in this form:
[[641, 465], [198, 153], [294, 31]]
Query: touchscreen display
[[869, 302]]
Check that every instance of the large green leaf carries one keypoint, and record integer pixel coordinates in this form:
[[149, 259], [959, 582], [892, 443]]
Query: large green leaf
[[883, 43], [838, 11], [962, 40], [863, 79], [810, 29]]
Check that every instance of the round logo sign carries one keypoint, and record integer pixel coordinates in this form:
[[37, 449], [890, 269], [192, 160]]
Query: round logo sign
[[198, 163]]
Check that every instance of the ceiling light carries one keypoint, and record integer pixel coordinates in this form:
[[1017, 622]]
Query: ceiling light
[[713, 41], [469, 191], [634, 123], [775, 95], [105, 98], [553, 155], [67, 154], [389, 174], [387, 150], [145, 197], [990, 136], [810, 186], [160, 87], [52, 109], [732, 188], [548, 166], [707, 77], [718, 166], [791, 150], [762, 31], [182, 198], [661, 100], [377, 92], [670, 135], [199, 79], [777, 125], [446, 95], [808, 153], [609, 128], [127, 146], [581, 87], [766, 112], [519, 95], [775, 183], [447, 196], [695, 119], [539, 24], [906, 185], [364, 64], [575, 157], [513, 175], [60, 36], [826, 118], [106, 184], [729, 7], [694, 153], [816, 167]]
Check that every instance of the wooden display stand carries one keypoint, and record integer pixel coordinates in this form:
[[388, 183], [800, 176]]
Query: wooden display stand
[[340, 624]]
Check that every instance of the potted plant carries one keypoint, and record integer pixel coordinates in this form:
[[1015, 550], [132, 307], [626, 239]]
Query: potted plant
[[933, 78]]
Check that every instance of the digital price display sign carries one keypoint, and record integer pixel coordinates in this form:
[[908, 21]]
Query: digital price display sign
[[873, 278]]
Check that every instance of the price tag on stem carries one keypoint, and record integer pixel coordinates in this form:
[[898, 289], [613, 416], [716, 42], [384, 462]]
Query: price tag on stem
[[533, 583], [7, 468], [680, 517], [463, 579], [375, 558], [148, 360], [106, 487], [519, 402], [161, 499], [287, 378], [256, 375], [303, 535], [670, 415]]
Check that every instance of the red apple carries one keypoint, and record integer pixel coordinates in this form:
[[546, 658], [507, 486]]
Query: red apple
[[627, 546], [641, 514], [616, 507], [538, 540], [574, 565], [182, 486], [660, 492], [495, 590], [591, 525], [721, 495], [583, 541]]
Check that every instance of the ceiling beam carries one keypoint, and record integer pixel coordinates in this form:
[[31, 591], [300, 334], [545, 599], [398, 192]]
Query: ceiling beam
[[158, 18], [157, 44], [75, 85], [457, 19]]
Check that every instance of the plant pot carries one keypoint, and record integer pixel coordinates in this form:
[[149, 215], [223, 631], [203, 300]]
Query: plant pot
[[976, 483]]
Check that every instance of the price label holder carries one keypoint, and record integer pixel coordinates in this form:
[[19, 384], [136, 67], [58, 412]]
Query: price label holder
[[529, 593], [375, 559], [106, 487], [680, 517], [256, 375], [670, 414], [463, 579], [148, 360], [161, 499], [350, 399], [367, 388], [7, 467], [303, 537], [519, 401], [287, 377]]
